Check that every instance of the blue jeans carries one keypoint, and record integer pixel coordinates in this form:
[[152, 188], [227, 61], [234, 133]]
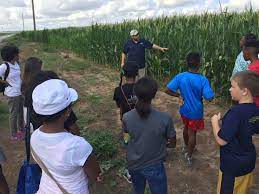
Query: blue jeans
[[155, 176]]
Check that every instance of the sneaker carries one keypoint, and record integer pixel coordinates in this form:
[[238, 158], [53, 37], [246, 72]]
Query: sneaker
[[13, 138], [20, 135], [188, 160], [127, 176], [184, 149]]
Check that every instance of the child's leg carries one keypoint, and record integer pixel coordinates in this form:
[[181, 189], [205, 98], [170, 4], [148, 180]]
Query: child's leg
[[12, 115], [185, 135], [191, 142], [139, 182]]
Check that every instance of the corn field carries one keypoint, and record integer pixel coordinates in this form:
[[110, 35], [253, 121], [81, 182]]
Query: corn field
[[215, 36]]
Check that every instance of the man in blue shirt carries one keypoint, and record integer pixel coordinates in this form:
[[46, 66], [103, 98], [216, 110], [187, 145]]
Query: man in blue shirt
[[134, 51], [193, 88]]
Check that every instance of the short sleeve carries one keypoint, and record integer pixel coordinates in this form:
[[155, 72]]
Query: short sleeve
[[147, 44], [170, 130], [230, 126], [70, 120], [126, 48], [207, 91], [2, 70], [173, 85], [81, 151]]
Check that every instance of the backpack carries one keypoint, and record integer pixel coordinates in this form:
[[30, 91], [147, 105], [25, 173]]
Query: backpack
[[30, 174], [7, 71]]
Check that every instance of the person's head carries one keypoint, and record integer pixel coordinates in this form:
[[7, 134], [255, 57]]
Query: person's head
[[134, 35], [130, 70], [251, 50], [145, 89], [52, 101], [10, 54], [193, 60], [246, 38], [32, 67], [244, 86]]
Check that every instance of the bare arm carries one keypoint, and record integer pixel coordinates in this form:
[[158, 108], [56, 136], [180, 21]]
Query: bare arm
[[92, 168], [171, 93], [215, 126], [171, 142], [123, 59], [159, 48]]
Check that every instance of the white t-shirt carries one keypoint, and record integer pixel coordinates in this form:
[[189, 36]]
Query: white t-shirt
[[13, 78], [64, 155]]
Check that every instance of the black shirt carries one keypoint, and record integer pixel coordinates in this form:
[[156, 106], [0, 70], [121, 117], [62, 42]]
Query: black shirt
[[127, 102], [136, 51]]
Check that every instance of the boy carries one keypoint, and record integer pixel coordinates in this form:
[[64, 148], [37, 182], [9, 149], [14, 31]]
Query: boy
[[193, 87], [240, 123], [125, 98], [251, 50]]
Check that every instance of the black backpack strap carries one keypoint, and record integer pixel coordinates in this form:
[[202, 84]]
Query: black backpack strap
[[28, 134], [7, 71]]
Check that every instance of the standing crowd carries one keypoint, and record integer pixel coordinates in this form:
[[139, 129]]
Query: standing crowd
[[67, 160]]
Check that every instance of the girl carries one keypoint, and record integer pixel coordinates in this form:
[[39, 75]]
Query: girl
[[67, 161], [150, 131]]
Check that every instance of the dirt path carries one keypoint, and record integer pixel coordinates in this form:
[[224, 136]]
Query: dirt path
[[96, 111]]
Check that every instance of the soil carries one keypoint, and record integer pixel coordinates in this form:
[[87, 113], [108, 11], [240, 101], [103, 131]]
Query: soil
[[97, 82]]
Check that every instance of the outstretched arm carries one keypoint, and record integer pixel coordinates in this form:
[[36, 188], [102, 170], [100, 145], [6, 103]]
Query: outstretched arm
[[159, 48]]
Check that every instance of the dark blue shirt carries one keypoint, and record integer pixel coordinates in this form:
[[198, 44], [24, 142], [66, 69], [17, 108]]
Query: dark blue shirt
[[136, 51], [239, 124], [193, 87]]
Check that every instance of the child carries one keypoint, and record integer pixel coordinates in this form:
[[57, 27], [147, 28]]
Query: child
[[150, 132], [68, 159], [125, 99], [240, 123], [251, 50], [193, 88], [10, 55], [70, 124]]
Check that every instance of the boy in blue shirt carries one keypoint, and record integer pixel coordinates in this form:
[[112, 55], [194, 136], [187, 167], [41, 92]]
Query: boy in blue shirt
[[239, 124], [193, 88]]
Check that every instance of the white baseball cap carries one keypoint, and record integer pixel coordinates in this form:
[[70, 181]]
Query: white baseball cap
[[134, 33], [52, 96]]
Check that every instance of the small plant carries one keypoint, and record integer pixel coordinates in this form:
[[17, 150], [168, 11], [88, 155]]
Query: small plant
[[103, 142]]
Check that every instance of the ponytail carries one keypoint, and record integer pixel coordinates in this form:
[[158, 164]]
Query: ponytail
[[143, 109]]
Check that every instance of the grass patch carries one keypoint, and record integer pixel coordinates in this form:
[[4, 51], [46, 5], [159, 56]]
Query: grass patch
[[104, 143], [4, 114]]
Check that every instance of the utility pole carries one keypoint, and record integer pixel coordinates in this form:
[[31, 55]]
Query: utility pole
[[33, 13], [22, 23]]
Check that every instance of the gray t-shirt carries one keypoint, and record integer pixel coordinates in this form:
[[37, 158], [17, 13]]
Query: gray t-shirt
[[148, 137]]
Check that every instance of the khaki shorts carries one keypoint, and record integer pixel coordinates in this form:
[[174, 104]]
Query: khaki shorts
[[239, 185], [141, 73]]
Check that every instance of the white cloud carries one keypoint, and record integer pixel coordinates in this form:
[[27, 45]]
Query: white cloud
[[62, 13]]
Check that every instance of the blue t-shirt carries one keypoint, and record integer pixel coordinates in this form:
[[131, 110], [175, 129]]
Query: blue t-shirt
[[193, 88], [136, 51], [239, 124]]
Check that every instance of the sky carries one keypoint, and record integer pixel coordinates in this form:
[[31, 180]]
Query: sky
[[63, 13]]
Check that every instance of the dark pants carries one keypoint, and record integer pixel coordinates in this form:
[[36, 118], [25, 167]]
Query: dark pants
[[155, 176]]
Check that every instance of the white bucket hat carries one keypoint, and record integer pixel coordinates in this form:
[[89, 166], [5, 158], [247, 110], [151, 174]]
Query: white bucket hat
[[134, 33], [52, 96]]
